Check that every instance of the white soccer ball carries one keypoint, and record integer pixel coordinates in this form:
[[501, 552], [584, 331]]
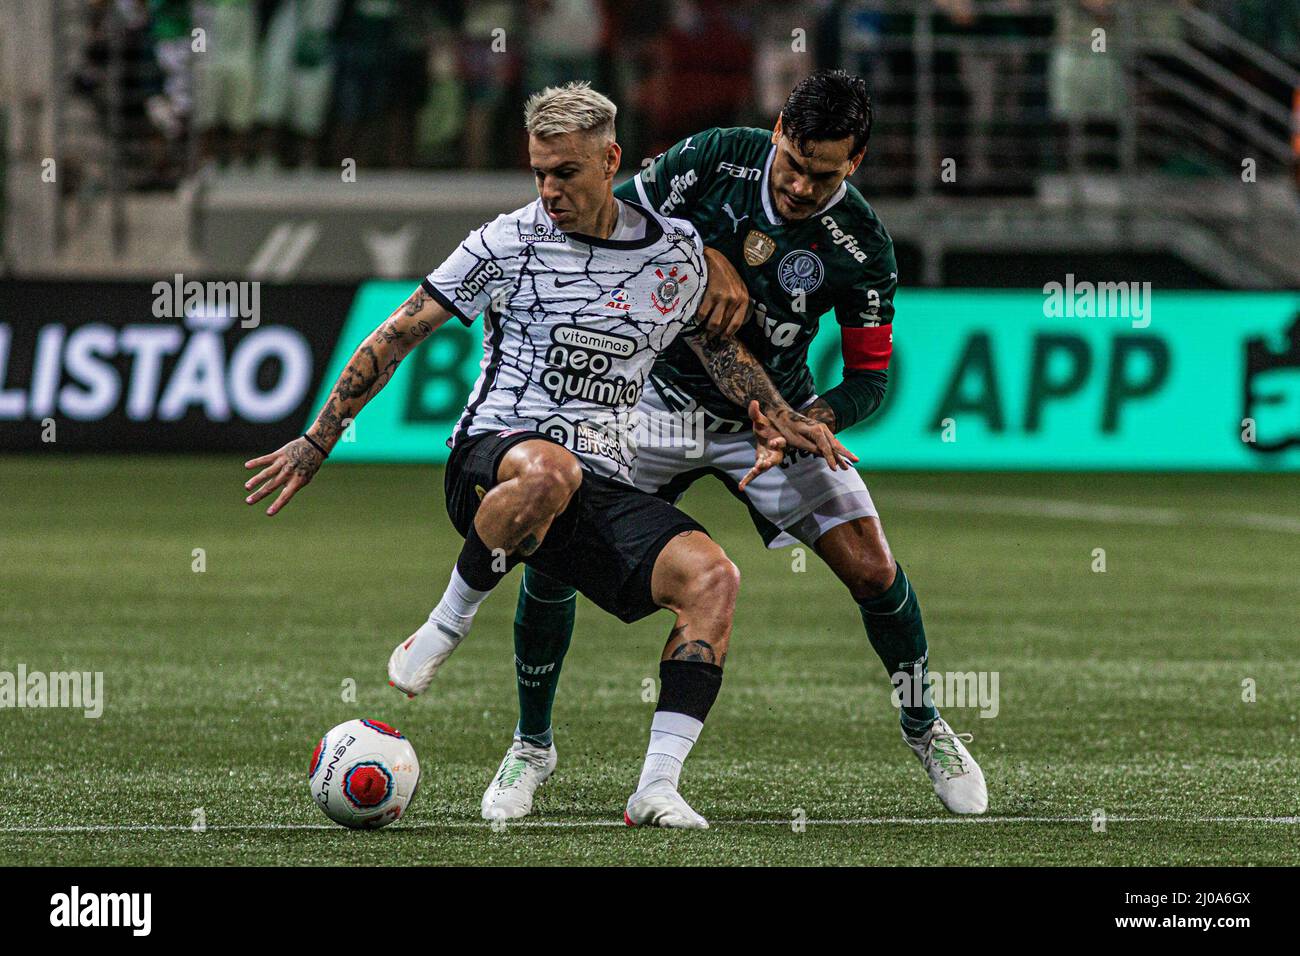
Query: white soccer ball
[[364, 774]]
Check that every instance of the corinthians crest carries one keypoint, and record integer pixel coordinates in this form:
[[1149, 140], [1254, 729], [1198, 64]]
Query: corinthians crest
[[758, 247], [664, 298]]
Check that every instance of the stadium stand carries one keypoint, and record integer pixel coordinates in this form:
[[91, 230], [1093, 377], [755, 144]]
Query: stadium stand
[[210, 136]]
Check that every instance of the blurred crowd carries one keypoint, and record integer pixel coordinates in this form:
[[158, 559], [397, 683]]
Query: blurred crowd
[[441, 83]]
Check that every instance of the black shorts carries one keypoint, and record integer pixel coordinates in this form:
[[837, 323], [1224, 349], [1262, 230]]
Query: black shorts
[[604, 544]]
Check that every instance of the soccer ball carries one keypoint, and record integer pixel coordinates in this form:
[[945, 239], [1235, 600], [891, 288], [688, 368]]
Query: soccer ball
[[364, 774]]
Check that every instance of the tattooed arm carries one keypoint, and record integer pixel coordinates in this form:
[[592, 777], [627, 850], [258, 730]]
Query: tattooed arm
[[369, 370], [820, 411], [374, 362], [742, 379], [737, 373]]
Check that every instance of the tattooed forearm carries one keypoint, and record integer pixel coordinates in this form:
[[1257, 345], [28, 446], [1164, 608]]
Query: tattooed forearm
[[368, 371], [411, 335], [822, 413], [421, 329], [737, 373], [371, 367], [329, 423], [362, 371], [416, 302]]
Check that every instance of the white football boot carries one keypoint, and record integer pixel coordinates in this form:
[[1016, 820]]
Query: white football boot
[[660, 805], [524, 768], [957, 778], [414, 661]]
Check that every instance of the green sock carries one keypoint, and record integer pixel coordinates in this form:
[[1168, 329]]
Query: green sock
[[543, 629], [894, 627]]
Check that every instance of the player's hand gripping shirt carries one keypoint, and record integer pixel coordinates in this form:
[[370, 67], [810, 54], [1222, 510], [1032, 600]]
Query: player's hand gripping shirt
[[839, 258], [571, 324]]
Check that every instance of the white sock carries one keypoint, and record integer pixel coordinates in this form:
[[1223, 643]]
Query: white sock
[[671, 738], [459, 604]]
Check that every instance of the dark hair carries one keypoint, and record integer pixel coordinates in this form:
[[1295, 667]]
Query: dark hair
[[828, 105]]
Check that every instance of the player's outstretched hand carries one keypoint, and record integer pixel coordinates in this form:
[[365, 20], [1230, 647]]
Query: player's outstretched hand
[[289, 469], [769, 445], [725, 305], [801, 432]]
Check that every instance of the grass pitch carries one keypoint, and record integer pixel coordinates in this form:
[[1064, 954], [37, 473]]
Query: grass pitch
[[1120, 693]]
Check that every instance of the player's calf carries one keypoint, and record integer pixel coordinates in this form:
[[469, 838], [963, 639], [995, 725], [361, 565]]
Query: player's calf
[[694, 578], [703, 592], [860, 557], [891, 613]]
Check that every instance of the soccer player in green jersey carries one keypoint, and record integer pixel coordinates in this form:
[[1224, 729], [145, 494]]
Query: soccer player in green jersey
[[788, 240]]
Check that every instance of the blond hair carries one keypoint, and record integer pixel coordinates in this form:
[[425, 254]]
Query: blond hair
[[571, 108]]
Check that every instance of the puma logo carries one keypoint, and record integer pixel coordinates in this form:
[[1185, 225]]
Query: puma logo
[[735, 223]]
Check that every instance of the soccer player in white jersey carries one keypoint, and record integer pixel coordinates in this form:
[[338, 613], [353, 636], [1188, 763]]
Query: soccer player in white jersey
[[579, 293]]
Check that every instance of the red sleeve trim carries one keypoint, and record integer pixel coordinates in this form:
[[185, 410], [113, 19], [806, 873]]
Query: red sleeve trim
[[867, 348]]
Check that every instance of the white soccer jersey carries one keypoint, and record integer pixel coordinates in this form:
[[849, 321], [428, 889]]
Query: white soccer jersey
[[572, 324]]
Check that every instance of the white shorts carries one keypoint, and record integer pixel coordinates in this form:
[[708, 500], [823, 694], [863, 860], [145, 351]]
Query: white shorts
[[799, 500]]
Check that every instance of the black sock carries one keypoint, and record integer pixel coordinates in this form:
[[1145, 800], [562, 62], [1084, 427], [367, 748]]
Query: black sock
[[687, 690], [688, 687], [479, 567]]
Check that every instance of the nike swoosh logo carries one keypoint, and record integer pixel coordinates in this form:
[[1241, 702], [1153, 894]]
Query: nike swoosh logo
[[561, 285]]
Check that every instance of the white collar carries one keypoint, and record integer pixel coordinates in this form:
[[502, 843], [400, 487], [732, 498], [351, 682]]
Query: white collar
[[839, 194], [765, 185]]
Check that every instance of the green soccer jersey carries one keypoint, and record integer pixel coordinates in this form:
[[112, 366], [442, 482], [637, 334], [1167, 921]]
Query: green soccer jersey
[[840, 258]]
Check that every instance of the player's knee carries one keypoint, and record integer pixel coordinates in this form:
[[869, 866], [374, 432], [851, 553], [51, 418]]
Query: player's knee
[[716, 582], [872, 577], [547, 486]]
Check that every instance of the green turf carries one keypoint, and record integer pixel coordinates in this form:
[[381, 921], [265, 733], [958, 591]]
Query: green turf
[[1119, 692]]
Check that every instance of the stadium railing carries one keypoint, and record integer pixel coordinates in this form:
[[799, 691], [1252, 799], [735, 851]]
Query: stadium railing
[[1141, 128]]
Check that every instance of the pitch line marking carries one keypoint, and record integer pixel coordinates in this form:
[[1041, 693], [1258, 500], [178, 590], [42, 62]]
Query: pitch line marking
[[582, 824]]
